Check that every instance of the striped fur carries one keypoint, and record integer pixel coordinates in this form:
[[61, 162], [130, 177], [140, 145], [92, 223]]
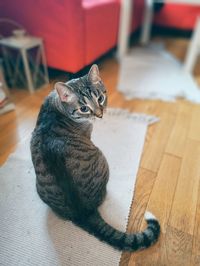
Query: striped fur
[[71, 172], [122, 241]]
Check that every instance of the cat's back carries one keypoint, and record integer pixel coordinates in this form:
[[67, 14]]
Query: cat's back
[[52, 140], [42, 133]]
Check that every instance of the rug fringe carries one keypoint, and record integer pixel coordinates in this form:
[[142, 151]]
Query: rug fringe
[[160, 96], [138, 117]]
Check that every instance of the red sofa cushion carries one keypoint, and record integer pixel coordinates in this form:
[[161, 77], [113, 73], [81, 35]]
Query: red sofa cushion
[[177, 16], [101, 19]]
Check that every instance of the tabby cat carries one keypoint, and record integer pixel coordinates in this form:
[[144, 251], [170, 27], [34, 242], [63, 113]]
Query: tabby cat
[[72, 173]]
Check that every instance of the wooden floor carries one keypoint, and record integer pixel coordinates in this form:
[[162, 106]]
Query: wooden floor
[[169, 174]]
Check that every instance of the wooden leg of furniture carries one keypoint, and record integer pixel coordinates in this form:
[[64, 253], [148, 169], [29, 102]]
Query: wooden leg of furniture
[[124, 27], [147, 22], [194, 49], [27, 70]]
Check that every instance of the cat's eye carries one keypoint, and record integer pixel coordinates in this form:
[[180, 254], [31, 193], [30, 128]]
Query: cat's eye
[[85, 109], [101, 99]]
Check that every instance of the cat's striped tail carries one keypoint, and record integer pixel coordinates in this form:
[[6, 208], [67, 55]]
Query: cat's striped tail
[[96, 226]]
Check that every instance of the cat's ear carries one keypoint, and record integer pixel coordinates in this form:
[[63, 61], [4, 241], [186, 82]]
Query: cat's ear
[[93, 75], [64, 92]]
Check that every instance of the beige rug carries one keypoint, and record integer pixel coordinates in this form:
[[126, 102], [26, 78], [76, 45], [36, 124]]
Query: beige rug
[[153, 73], [31, 234]]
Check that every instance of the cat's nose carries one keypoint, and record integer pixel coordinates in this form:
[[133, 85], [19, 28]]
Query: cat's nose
[[99, 114]]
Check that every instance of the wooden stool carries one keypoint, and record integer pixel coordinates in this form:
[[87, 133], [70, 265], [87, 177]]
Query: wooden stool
[[23, 45]]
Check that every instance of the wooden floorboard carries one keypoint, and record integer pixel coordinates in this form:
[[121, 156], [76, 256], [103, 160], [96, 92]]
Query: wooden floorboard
[[183, 213], [178, 136], [139, 205], [168, 181]]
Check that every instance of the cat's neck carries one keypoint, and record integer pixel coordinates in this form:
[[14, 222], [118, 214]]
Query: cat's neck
[[78, 129]]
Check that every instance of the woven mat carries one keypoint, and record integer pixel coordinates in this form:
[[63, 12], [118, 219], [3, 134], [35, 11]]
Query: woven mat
[[153, 73], [31, 234]]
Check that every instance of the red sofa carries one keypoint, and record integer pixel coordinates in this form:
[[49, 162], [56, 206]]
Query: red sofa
[[75, 32], [177, 16]]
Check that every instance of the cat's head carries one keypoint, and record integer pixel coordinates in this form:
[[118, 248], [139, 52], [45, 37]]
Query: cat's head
[[83, 98]]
